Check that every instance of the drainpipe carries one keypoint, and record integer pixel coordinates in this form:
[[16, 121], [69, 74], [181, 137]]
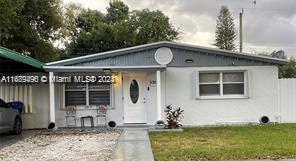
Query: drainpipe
[[51, 98]]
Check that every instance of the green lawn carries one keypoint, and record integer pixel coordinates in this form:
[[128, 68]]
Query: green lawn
[[226, 142]]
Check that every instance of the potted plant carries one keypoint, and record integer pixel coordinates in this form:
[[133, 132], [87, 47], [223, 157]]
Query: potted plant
[[173, 117]]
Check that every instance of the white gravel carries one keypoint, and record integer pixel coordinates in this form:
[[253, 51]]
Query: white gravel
[[70, 147]]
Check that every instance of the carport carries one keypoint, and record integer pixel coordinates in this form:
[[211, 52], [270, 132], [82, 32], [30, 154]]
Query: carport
[[33, 95], [14, 62]]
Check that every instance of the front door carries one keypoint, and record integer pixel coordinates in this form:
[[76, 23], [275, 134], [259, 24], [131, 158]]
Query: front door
[[135, 109]]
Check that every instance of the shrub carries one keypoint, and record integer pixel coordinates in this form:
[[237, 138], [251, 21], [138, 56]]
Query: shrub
[[173, 116]]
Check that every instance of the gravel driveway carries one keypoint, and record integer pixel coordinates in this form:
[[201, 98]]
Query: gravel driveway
[[68, 147], [7, 139]]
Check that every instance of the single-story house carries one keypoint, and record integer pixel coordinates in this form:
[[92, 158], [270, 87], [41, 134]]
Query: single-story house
[[212, 86]]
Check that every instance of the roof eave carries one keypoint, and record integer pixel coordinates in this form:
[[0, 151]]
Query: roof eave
[[100, 68], [13, 55], [169, 44]]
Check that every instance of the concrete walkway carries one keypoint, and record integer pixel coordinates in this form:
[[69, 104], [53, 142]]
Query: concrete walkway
[[133, 145]]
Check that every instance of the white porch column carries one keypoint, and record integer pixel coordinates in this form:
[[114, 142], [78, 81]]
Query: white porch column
[[51, 98], [158, 94]]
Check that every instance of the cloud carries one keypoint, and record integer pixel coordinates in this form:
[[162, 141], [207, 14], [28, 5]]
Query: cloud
[[268, 26], [91, 4]]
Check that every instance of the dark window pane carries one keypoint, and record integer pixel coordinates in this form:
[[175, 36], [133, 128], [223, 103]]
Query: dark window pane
[[75, 98], [233, 89], [233, 77], [99, 97], [134, 91], [209, 78], [209, 89]]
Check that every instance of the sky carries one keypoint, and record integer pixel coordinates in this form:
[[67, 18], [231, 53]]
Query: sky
[[267, 26]]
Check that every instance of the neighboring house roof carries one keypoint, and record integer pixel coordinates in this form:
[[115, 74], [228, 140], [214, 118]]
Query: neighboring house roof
[[15, 58], [180, 46]]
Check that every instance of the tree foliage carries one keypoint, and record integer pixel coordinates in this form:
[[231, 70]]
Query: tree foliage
[[30, 26], [288, 70], [117, 11], [225, 30], [118, 28], [33, 26], [69, 30]]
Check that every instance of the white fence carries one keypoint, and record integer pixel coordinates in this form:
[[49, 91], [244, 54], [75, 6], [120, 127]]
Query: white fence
[[287, 89], [17, 93]]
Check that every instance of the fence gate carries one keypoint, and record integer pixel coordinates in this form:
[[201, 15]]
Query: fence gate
[[287, 88]]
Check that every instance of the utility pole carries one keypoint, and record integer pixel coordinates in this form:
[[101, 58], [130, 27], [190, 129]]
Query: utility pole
[[241, 27], [241, 31]]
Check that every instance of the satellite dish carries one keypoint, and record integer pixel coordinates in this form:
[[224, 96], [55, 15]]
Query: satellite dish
[[163, 56]]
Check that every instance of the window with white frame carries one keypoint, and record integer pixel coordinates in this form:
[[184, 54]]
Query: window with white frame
[[88, 94], [214, 84]]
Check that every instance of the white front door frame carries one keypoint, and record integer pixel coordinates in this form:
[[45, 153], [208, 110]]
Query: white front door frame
[[135, 112]]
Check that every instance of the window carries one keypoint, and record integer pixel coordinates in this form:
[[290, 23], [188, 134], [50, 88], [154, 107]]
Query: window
[[99, 95], [209, 84], [75, 94], [221, 84], [87, 94], [134, 91], [233, 83]]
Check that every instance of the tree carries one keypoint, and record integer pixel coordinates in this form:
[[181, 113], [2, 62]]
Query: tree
[[117, 11], [69, 30], [288, 70], [30, 26], [225, 31], [152, 26], [118, 28]]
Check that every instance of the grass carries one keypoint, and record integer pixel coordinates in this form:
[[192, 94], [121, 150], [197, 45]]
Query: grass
[[226, 142]]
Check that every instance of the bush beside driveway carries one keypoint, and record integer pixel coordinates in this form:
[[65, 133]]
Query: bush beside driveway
[[226, 142]]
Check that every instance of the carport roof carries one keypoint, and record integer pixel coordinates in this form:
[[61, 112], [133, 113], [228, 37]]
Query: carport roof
[[13, 55]]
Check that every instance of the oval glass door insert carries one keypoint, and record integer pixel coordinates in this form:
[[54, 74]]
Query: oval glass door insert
[[134, 91]]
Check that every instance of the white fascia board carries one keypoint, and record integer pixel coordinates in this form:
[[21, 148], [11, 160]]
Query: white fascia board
[[187, 46], [228, 51], [105, 53], [96, 68]]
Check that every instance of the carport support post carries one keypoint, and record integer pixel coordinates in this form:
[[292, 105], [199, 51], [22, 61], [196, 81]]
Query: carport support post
[[158, 95], [51, 98]]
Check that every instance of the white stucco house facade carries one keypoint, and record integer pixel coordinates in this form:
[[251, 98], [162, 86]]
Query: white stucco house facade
[[212, 86]]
